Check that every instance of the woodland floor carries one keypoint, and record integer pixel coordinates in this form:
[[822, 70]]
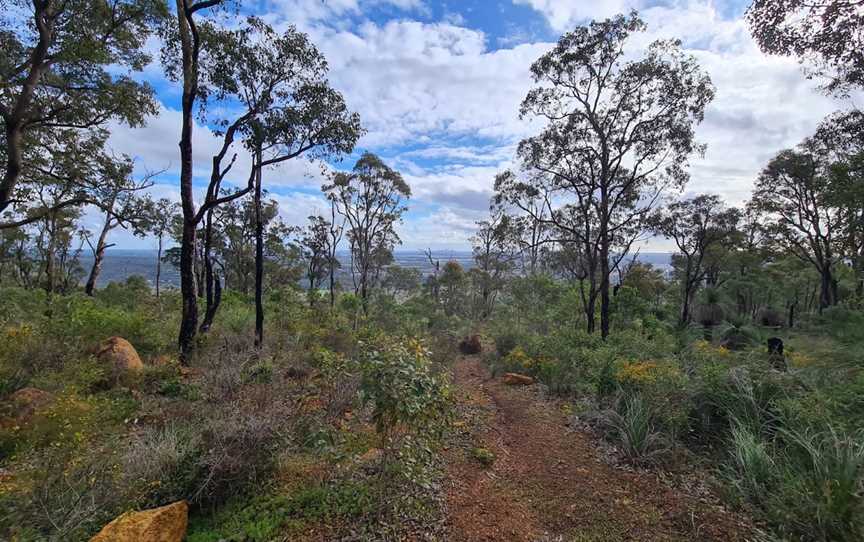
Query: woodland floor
[[550, 482]]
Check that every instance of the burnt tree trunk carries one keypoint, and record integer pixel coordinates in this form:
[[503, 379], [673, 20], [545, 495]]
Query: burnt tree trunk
[[259, 255], [212, 301], [158, 266]]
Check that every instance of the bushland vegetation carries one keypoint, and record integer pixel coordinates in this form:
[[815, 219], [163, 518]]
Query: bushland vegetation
[[740, 361]]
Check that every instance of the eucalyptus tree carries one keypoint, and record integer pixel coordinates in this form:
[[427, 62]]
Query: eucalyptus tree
[[827, 35], [72, 159], [335, 231], [297, 114], [699, 226], [619, 131], [282, 108], [495, 248], [68, 65], [371, 198], [315, 242], [160, 217], [122, 205], [800, 193]]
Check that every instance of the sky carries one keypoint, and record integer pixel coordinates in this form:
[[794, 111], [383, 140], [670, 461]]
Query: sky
[[438, 85]]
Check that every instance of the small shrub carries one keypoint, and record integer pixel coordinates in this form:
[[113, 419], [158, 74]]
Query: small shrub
[[505, 343], [484, 456]]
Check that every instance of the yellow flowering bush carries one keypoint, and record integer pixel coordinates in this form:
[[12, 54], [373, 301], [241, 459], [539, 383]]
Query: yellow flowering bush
[[707, 349], [636, 373], [647, 374], [14, 339], [517, 358], [799, 359]]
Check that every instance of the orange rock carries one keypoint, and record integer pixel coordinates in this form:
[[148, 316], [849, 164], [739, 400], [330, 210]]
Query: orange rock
[[120, 354], [164, 524], [514, 379]]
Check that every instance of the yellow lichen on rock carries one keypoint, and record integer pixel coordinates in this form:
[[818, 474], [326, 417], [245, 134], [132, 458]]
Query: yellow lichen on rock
[[163, 524]]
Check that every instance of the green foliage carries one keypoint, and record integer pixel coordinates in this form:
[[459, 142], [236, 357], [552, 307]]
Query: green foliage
[[484, 456], [402, 388], [844, 324], [822, 480], [267, 516]]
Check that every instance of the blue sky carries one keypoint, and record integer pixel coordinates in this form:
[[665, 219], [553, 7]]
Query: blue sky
[[438, 86]]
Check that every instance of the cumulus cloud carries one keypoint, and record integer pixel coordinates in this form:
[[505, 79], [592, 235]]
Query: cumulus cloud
[[441, 104], [562, 14]]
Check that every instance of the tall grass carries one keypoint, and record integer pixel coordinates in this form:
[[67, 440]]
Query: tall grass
[[632, 424], [822, 483]]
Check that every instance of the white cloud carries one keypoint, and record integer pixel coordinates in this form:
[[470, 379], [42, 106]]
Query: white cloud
[[435, 92], [563, 14]]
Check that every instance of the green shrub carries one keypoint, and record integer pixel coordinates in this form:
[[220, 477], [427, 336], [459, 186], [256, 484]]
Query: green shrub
[[484, 456], [266, 517], [400, 385]]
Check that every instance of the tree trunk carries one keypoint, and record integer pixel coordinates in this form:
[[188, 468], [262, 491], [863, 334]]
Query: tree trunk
[[189, 316], [158, 265], [604, 280], [791, 318], [827, 289], [211, 303], [98, 255], [332, 282], [13, 164], [685, 304], [259, 255]]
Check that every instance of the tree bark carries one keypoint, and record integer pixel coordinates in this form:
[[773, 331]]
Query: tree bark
[[604, 262], [259, 255], [15, 119], [827, 289], [212, 304], [158, 265], [189, 317]]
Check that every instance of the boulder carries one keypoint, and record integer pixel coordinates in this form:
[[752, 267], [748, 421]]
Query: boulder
[[120, 354], [515, 379], [163, 524], [471, 345], [26, 401]]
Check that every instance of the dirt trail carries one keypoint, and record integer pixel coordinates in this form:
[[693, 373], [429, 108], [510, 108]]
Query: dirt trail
[[549, 483]]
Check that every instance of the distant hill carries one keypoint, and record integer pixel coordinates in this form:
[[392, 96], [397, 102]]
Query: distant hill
[[123, 263]]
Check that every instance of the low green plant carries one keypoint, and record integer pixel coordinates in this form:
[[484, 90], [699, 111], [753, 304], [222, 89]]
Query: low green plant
[[823, 478], [484, 456], [754, 471], [631, 424]]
